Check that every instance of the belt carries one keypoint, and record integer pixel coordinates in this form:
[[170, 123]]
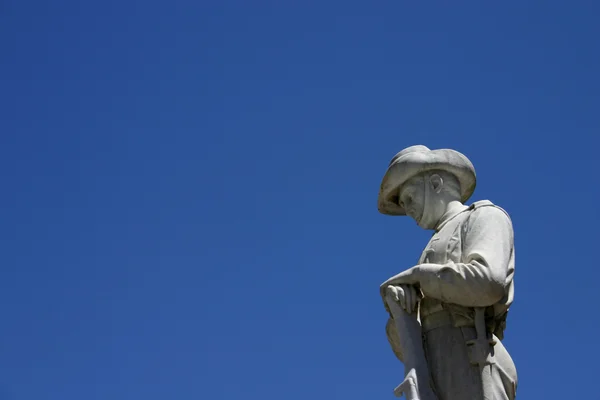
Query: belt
[[443, 318], [431, 309]]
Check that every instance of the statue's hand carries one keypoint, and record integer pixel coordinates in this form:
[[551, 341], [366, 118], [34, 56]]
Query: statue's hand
[[406, 295]]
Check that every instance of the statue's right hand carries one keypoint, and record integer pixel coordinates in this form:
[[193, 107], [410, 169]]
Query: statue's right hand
[[406, 296]]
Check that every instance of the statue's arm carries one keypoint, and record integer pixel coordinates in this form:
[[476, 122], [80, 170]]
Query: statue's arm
[[480, 280]]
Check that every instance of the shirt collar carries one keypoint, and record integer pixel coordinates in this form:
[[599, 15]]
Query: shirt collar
[[453, 210]]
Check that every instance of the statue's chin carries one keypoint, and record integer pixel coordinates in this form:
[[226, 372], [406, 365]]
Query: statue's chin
[[425, 224]]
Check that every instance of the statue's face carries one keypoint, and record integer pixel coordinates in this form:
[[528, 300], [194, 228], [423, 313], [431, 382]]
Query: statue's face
[[424, 201], [412, 198]]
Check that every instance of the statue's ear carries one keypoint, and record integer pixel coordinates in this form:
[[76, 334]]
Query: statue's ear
[[436, 182]]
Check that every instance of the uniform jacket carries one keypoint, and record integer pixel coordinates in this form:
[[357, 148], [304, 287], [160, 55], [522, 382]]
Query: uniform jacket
[[476, 249]]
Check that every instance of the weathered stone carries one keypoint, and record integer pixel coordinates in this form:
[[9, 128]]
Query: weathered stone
[[448, 312]]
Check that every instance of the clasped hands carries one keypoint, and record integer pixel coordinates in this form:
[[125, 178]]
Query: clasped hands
[[407, 296], [404, 287]]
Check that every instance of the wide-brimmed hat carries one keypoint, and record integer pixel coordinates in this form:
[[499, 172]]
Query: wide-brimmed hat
[[415, 160]]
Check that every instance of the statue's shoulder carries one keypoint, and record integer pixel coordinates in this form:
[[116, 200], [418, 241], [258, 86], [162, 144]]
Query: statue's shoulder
[[486, 205]]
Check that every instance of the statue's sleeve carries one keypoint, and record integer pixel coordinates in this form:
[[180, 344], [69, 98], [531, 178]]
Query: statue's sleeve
[[480, 280]]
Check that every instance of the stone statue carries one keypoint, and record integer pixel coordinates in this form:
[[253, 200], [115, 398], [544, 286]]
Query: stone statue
[[448, 312]]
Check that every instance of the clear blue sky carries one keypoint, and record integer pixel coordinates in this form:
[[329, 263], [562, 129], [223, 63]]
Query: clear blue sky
[[189, 189]]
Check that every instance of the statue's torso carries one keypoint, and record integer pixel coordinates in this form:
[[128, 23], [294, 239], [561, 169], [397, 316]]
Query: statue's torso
[[444, 344], [446, 245]]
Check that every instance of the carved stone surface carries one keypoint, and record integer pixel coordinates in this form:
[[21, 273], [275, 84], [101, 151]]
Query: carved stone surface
[[448, 312]]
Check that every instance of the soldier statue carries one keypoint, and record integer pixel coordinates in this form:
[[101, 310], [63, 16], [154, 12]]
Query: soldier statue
[[448, 312]]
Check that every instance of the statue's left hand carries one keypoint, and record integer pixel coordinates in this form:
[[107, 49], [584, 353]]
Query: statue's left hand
[[413, 276], [406, 295]]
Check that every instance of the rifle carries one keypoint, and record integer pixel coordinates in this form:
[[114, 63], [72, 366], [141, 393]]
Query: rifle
[[417, 382]]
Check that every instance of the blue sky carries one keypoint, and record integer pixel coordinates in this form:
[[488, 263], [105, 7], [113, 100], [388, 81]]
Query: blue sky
[[189, 189]]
